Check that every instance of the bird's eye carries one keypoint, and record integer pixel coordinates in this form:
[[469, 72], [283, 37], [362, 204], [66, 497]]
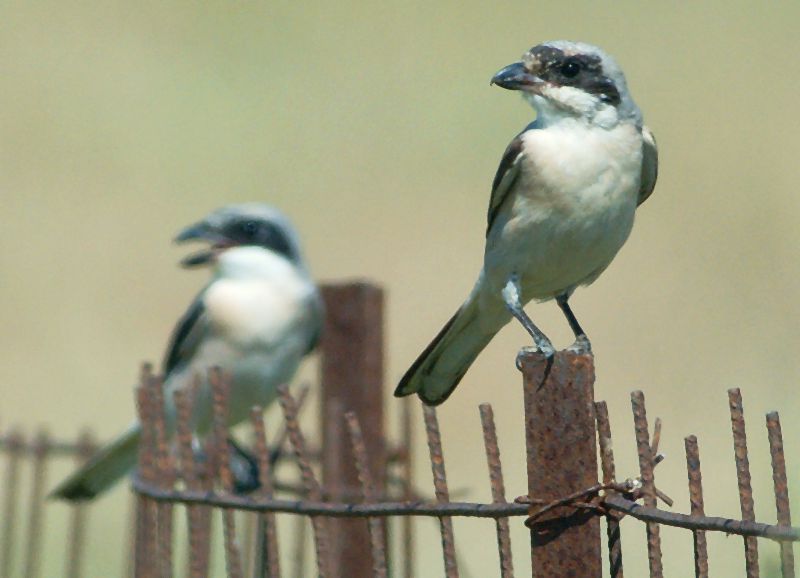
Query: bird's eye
[[250, 228], [570, 68]]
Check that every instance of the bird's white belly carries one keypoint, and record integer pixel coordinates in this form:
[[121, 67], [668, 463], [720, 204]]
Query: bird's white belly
[[258, 335], [571, 211]]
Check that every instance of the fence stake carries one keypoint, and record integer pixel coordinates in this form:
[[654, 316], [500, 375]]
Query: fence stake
[[440, 487], [146, 542], [14, 448], [743, 476], [313, 491], [609, 475], [781, 489], [562, 459], [374, 525], [498, 488], [267, 555], [33, 557], [77, 532], [646, 466], [220, 387], [407, 522], [697, 507], [165, 476], [352, 380]]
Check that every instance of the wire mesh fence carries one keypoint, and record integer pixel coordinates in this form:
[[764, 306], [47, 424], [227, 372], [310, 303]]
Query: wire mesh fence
[[353, 482]]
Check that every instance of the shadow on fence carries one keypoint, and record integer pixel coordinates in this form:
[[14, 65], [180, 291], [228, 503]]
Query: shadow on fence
[[566, 431]]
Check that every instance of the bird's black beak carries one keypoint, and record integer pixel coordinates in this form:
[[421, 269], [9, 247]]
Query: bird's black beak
[[201, 231], [516, 77]]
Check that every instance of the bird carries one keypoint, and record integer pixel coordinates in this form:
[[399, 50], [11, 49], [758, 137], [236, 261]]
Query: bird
[[562, 205], [256, 319]]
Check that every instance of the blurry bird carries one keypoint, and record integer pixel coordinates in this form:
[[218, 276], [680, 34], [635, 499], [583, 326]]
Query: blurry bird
[[562, 205], [256, 319]]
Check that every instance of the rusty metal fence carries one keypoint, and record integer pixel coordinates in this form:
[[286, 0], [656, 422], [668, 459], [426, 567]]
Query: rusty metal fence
[[355, 480]]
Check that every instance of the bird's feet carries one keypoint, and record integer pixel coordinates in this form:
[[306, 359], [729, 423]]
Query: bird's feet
[[582, 345], [244, 468], [545, 348]]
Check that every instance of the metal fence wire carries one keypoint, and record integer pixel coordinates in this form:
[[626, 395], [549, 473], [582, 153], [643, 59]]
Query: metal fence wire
[[364, 480]]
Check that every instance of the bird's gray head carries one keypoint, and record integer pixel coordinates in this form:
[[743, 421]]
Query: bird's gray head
[[562, 78], [245, 225]]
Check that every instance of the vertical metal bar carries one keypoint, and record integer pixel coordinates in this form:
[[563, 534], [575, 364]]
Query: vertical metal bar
[[407, 522], [132, 538], [267, 559], [77, 532], [250, 522], [300, 533], [498, 488], [374, 525], [198, 530], [220, 387], [165, 478], [313, 490], [561, 449], [41, 448], [743, 477], [146, 547], [609, 475], [14, 448], [646, 464], [781, 486], [351, 368], [697, 507], [440, 487]]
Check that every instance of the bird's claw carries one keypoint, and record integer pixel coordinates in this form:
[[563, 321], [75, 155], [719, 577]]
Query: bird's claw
[[582, 346], [547, 350], [525, 350]]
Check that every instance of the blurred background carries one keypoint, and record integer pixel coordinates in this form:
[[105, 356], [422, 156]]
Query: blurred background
[[374, 126]]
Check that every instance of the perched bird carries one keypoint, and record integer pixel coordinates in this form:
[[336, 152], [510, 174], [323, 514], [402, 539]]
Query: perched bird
[[256, 319], [562, 205]]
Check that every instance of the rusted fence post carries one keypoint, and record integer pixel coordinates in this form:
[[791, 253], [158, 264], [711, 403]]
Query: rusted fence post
[[562, 459], [352, 380]]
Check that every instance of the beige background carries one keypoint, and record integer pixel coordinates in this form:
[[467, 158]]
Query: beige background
[[374, 127]]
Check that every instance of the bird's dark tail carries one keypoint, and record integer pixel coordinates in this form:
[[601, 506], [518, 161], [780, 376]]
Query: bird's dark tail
[[438, 370], [103, 469]]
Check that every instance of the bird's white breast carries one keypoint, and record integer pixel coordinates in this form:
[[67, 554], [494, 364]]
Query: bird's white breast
[[260, 323], [570, 209]]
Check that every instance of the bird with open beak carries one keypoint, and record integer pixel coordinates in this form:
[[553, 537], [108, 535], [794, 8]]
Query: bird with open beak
[[256, 319], [562, 205]]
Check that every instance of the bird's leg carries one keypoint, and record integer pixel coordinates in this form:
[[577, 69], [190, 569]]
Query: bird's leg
[[582, 344], [244, 468], [511, 297]]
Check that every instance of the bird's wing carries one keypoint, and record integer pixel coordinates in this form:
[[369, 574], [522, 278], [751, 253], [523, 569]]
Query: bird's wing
[[317, 308], [186, 336], [649, 165], [504, 178]]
